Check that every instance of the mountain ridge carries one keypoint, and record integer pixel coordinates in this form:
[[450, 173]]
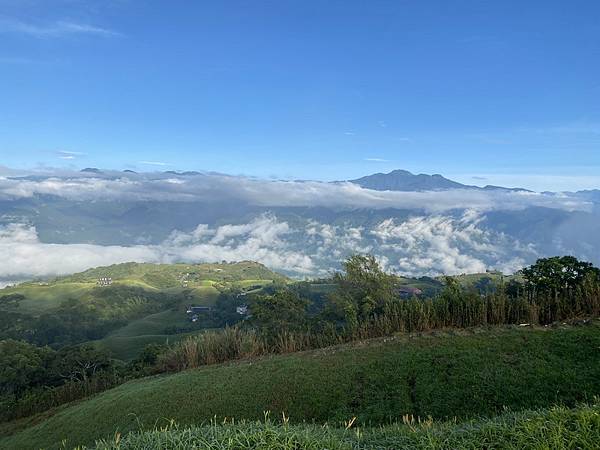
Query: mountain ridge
[[405, 181]]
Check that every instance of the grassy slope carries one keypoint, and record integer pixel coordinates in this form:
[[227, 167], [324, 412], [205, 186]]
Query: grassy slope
[[441, 374], [127, 342], [556, 428], [170, 275], [40, 299]]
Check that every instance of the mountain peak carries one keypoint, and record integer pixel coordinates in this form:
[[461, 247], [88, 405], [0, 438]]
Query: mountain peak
[[91, 170], [403, 180]]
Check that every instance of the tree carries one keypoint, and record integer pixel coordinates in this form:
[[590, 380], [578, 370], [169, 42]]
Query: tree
[[558, 273], [282, 311], [11, 299], [485, 285], [363, 289], [514, 288], [23, 366], [78, 363]]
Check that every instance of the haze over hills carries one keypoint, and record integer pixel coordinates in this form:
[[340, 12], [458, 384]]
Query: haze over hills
[[62, 222]]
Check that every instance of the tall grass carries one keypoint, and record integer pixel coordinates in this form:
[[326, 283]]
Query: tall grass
[[451, 309], [212, 347], [556, 428], [39, 400]]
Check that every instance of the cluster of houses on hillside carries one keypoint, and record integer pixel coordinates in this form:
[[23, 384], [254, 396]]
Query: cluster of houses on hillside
[[104, 281]]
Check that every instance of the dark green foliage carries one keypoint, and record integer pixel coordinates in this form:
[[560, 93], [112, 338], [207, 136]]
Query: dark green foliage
[[23, 366], [363, 290], [78, 363], [485, 285], [149, 356], [35, 378], [552, 275], [224, 312], [283, 311], [11, 300]]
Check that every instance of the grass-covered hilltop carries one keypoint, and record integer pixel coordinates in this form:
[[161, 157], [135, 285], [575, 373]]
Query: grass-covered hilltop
[[230, 356], [125, 306]]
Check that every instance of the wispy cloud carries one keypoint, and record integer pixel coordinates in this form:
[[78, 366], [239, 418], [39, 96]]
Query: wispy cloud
[[69, 155], [155, 163], [55, 29], [377, 160]]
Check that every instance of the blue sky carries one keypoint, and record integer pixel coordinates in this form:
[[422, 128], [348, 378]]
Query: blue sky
[[485, 92]]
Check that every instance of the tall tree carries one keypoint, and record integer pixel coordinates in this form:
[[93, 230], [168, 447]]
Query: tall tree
[[363, 289], [558, 273]]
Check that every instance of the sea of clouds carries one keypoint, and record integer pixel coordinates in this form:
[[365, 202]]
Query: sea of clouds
[[443, 234], [259, 192], [421, 245]]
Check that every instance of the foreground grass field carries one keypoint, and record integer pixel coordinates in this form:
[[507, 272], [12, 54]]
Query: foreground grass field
[[555, 428], [444, 375]]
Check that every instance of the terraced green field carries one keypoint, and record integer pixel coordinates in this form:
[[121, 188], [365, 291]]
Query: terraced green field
[[447, 374]]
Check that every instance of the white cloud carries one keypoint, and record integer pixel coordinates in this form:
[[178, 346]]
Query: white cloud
[[273, 193], [69, 155], [24, 256], [259, 240], [420, 245], [377, 160], [56, 29], [445, 244]]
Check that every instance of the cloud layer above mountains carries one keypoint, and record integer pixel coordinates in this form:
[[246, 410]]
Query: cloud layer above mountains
[[268, 193], [422, 233]]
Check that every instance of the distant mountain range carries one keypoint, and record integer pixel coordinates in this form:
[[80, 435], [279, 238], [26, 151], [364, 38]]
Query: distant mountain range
[[403, 180], [396, 180]]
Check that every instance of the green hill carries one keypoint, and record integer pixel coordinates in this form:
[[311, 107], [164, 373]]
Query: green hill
[[446, 374], [145, 303], [162, 276]]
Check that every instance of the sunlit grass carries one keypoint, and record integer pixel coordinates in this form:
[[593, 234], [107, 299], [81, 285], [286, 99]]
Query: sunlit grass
[[556, 428]]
